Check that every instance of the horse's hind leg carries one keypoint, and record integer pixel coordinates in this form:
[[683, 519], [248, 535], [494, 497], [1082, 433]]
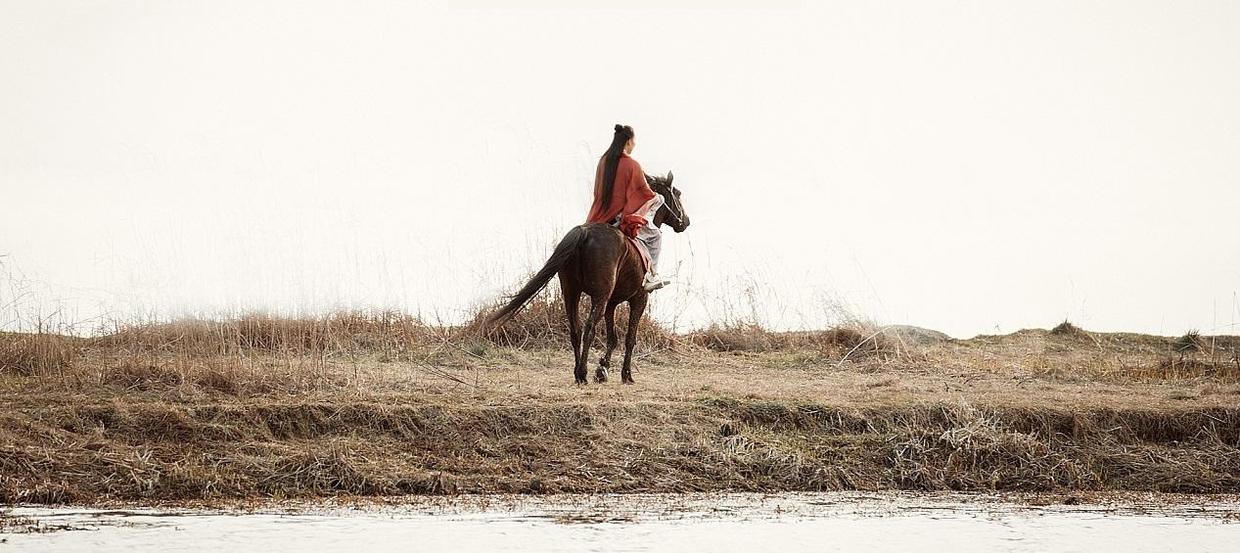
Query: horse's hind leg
[[572, 298], [637, 306], [597, 306], [604, 362]]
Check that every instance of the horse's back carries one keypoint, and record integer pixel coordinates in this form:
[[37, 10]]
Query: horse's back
[[606, 264], [603, 242]]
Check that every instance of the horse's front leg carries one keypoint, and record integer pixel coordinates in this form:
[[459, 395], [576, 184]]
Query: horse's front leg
[[637, 306], [604, 362]]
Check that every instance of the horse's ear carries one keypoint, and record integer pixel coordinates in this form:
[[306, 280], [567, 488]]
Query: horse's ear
[[650, 180], [669, 177]]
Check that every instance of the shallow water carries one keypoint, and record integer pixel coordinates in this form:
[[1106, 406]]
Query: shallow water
[[717, 523]]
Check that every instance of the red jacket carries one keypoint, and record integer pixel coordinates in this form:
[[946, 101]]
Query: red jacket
[[628, 195]]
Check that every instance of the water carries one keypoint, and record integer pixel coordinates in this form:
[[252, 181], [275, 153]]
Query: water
[[716, 523]]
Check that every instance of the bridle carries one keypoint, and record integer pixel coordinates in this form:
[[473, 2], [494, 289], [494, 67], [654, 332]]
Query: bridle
[[671, 200]]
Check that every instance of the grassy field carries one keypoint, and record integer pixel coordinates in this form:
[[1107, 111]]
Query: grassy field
[[381, 404]]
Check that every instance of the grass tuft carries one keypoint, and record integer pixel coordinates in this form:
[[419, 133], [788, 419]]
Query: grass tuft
[[1068, 330]]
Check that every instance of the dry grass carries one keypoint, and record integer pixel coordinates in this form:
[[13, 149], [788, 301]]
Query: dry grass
[[382, 404], [1172, 368], [338, 332]]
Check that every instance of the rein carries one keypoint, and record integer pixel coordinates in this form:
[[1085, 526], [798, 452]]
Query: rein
[[671, 197]]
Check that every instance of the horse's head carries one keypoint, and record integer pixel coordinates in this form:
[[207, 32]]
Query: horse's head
[[673, 212]]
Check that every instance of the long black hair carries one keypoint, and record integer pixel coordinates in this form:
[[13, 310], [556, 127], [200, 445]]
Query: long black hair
[[611, 160]]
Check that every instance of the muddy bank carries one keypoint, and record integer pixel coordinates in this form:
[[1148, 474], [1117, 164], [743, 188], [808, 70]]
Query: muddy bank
[[154, 450], [383, 405]]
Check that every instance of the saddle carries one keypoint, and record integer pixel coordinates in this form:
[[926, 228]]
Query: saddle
[[641, 249]]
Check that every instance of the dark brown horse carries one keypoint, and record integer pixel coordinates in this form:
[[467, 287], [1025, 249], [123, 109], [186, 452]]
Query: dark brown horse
[[597, 260]]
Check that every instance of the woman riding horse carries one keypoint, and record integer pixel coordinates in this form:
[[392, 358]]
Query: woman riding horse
[[623, 198], [598, 260]]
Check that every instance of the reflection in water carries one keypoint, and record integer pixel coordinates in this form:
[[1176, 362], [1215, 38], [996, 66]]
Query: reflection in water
[[734, 522]]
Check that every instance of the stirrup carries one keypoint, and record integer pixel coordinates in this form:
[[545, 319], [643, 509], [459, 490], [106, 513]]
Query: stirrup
[[652, 285]]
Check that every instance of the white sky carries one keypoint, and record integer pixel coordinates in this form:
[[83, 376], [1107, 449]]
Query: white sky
[[967, 166]]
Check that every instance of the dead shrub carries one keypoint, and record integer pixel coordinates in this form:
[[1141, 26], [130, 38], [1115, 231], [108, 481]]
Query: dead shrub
[[543, 323], [35, 354], [1190, 342]]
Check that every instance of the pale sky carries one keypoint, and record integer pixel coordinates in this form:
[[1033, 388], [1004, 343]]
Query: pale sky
[[972, 167]]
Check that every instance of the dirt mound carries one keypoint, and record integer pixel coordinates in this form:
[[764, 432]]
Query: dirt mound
[[916, 335], [854, 341]]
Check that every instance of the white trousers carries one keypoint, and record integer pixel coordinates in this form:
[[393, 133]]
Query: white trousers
[[652, 238], [650, 235]]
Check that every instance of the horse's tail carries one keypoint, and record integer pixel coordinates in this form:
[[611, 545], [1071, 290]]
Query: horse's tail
[[563, 252]]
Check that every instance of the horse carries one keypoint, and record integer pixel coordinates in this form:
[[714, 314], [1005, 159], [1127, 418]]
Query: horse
[[597, 260]]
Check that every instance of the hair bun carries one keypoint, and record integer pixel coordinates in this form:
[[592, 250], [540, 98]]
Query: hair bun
[[619, 127]]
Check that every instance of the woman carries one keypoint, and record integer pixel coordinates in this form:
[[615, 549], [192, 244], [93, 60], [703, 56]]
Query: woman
[[622, 198]]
